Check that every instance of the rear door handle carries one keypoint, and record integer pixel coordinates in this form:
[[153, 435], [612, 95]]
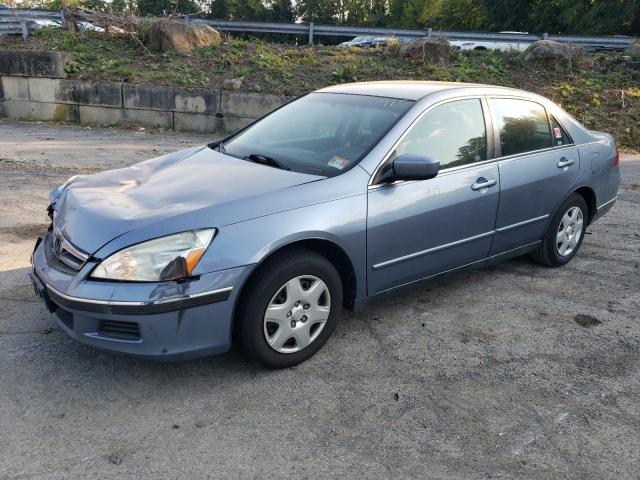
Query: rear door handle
[[565, 163], [483, 183]]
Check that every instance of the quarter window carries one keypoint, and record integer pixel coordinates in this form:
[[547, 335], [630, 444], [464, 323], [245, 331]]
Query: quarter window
[[560, 136], [523, 125], [453, 133]]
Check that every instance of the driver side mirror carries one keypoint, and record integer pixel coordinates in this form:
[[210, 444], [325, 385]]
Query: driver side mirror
[[414, 167]]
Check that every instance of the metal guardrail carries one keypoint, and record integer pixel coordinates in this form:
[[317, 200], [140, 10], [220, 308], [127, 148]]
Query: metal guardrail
[[15, 19]]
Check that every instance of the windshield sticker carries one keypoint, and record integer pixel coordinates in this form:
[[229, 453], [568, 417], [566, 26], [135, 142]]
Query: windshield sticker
[[557, 132], [338, 162]]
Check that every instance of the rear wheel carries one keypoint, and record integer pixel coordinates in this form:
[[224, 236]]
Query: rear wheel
[[564, 234], [289, 309]]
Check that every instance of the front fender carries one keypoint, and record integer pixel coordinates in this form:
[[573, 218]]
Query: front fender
[[342, 222]]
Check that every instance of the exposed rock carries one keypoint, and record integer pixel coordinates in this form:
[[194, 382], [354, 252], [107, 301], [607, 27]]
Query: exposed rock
[[429, 49], [183, 37], [232, 83], [552, 51]]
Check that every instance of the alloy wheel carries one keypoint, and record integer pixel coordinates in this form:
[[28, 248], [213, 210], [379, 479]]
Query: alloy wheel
[[296, 314], [569, 231]]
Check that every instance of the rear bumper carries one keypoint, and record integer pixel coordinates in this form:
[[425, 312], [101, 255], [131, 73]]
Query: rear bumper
[[165, 321]]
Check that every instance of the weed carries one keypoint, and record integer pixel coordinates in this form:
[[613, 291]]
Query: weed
[[72, 67], [633, 92], [108, 64]]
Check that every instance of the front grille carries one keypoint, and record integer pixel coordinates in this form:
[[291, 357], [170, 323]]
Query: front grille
[[64, 250], [122, 330]]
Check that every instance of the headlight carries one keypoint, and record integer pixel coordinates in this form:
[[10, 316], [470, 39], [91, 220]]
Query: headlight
[[166, 258]]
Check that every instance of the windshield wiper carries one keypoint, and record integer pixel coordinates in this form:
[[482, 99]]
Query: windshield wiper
[[263, 159]]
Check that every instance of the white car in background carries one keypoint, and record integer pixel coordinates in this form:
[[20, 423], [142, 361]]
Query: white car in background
[[492, 45], [364, 41]]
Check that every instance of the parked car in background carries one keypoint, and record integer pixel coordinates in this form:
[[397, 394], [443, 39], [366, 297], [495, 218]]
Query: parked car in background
[[363, 41], [346, 195], [492, 45]]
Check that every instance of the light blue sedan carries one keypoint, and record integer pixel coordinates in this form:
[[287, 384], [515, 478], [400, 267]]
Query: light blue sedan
[[341, 197]]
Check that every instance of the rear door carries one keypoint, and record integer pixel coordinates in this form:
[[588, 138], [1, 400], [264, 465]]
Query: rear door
[[538, 163]]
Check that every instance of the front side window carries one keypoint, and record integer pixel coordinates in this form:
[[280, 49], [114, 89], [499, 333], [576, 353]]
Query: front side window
[[453, 134], [523, 125], [320, 133]]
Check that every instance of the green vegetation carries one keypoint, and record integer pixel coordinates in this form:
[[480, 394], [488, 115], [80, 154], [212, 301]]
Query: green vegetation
[[601, 90], [552, 16]]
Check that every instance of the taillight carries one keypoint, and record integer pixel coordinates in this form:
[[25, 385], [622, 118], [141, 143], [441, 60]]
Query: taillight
[[616, 158]]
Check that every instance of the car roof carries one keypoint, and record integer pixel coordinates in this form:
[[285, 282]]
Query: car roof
[[413, 90]]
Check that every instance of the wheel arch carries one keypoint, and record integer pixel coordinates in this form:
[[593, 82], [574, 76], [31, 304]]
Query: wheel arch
[[590, 197], [329, 249]]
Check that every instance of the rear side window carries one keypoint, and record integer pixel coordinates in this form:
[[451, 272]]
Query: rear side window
[[453, 133], [560, 136], [523, 126]]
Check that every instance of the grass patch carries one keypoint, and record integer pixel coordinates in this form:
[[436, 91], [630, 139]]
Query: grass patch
[[601, 89]]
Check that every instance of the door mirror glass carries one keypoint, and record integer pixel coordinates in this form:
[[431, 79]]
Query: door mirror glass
[[415, 167]]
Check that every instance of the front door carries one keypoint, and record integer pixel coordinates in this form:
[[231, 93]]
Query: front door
[[416, 229], [539, 165]]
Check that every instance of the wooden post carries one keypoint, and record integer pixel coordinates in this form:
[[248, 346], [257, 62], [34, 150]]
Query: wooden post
[[310, 33]]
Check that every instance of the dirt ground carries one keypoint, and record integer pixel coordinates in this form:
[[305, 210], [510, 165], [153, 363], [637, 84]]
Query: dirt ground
[[512, 372]]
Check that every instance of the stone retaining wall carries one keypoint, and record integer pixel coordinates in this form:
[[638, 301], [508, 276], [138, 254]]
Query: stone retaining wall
[[30, 97]]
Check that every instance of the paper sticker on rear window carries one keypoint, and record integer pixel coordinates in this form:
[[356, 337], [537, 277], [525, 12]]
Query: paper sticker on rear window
[[338, 162], [557, 132]]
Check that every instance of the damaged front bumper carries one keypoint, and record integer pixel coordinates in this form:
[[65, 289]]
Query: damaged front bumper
[[159, 320]]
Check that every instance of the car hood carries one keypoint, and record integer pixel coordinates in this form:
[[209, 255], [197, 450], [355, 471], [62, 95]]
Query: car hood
[[91, 210]]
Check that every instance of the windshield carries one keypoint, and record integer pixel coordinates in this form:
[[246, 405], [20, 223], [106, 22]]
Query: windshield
[[320, 133]]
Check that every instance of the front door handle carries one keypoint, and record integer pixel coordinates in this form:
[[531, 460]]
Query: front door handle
[[483, 183], [565, 163]]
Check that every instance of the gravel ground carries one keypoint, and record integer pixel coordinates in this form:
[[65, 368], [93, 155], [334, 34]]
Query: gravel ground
[[512, 372]]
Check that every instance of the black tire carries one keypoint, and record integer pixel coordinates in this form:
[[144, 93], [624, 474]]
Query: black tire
[[275, 272], [547, 252]]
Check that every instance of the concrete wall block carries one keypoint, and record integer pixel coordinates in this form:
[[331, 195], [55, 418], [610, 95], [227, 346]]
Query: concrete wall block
[[33, 63], [14, 88], [195, 122], [55, 112], [149, 118], [158, 97], [90, 115], [251, 105], [104, 94], [195, 101], [108, 94], [233, 124], [148, 97], [45, 90]]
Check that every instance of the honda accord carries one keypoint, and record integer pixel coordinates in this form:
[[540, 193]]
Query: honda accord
[[340, 197]]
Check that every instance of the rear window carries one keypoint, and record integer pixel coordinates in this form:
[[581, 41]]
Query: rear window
[[523, 125]]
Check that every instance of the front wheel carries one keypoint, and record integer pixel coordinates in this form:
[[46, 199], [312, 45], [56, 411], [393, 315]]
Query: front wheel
[[564, 234], [289, 309]]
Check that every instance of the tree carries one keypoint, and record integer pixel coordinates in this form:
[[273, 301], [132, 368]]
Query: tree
[[462, 15], [282, 11], [165, 7], [318, 11], [510, 15]]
